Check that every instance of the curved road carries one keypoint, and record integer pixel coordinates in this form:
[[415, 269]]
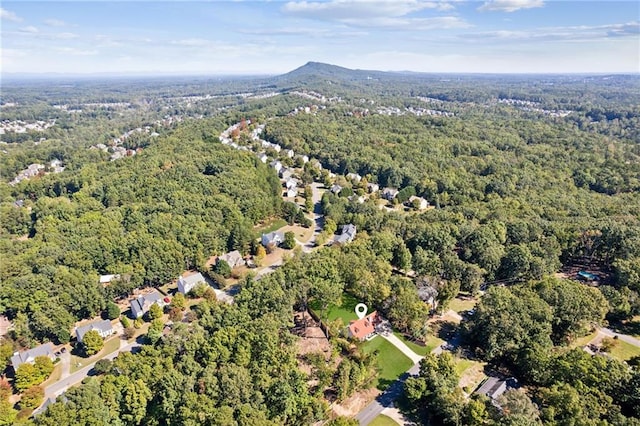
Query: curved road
[[55, 389]]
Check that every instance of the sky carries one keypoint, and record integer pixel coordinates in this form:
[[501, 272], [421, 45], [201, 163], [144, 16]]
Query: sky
[[273, 37]]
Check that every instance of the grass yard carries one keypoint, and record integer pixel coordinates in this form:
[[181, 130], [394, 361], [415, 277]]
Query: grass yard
[[391, 362], [583, 341], [110, 345], [624, 351], [302, 234], [460, 305], [383, 420], [471, 373], [54, 377], [463, 364], [418, 349], [346, 311], [270, 226], [421, 350], [433, 342]]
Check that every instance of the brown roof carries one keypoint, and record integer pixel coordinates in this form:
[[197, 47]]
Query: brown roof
[[361, 328]]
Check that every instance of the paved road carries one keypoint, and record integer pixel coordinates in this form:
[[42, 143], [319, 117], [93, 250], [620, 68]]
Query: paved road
[[60, 386], [624, 337], [318, 219], [386, 399]]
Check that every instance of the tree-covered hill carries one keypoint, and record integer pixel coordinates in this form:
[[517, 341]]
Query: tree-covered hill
[[150, 216]]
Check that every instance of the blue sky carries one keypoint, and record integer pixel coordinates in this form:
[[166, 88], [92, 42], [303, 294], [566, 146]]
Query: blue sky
[[269, 37]]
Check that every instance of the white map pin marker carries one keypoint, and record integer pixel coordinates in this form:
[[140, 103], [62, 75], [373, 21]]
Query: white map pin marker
[[361, 310]]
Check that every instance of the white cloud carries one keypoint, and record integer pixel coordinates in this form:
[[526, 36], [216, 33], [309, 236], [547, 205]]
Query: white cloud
[[64, 36], [30, 30], [55, 22], [558, 34], [414, 24], [510, 5], [339, 10], [9, 16], [75, 51]]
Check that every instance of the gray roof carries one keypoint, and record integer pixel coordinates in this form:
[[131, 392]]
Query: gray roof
[[193, 279], [31, 354], [493, 387], [103, 326], [273, 237], [186, 284], [233, 258], [142, 304], [347, 235]]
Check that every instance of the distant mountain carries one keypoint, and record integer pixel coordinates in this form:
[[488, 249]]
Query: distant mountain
[[318, 75], [319, 69]]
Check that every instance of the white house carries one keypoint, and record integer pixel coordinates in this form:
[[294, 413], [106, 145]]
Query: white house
[[276, 165], [104, 329], [389, 193], [420, 202], [233, 259], [354, 177], [142, 304], [186, 284], [30, 355], [275, 238]]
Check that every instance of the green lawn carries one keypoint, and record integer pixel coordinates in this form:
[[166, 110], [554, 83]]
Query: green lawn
[[346, 311], [624, 351], [391, 362], [583, 341], [418, 349], [460, 305], [463, 364], [383, 420], [110, 345], [270, 226], [433, 342]]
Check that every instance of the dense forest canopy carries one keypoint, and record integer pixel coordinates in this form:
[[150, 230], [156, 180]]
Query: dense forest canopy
[[527, 177]]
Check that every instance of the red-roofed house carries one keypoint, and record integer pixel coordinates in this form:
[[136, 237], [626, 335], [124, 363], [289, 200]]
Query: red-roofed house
[[364, 328]]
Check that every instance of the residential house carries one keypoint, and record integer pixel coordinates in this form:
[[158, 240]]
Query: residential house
[[285, 173], [336, 189], [428, 294], [233, 259], [347, 235], [272, 238], [420, 202], [104, 329], [56, 166], [105, 280], [359, 199], [29, 356], [354, 177], [373, 187], [276, 165], [365, 328], [389, 193], [263, 157], [291, 183], [494, 387], [292, 192], [290, 153], [305, 159], [142, 304], [186, 284]]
